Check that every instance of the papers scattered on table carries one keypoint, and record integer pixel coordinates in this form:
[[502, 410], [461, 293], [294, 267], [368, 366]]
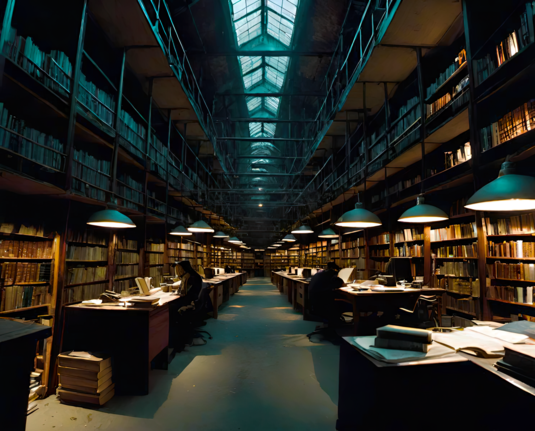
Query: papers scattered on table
[[509, 337], [487, 323]]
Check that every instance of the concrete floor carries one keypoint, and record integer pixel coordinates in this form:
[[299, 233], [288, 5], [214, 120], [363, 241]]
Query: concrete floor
[[260, 372]]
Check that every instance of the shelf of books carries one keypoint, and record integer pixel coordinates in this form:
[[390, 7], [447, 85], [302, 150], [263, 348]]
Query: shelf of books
[[155, 260], [126, 261], [510, 263], [181, 250], [29, 268], [378, 252], [353, 251], [248, 261]]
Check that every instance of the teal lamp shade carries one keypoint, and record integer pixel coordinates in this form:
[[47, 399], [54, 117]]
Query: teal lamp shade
[[289, 238], [180, 231], [328, 233], [359, 217], [220, 234], [508, 192], [423, 213], [200, 226], [302, 229], [234, 240], [110, 218]]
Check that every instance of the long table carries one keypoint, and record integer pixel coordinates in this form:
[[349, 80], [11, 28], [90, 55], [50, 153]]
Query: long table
[[296, 288], [223, 286], [134, 337]]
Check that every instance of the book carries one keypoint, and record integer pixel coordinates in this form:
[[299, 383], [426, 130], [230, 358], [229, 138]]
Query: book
[[472, 343], [84, 361], [82, 373], [144, 285], [81, 397], [86, 389], [415, 346], [67, 380], [515, 372], [393, 332], [521, 358]]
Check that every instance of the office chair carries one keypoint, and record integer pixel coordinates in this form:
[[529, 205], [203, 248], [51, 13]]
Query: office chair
[[424, 313], [203, 306], [328, 330]]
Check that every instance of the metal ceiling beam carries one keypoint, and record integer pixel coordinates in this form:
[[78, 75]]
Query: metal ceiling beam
[[256, 192], [272, 94], [261, 139], [270, 157], [256, 204], [260, 53], [261, 120]]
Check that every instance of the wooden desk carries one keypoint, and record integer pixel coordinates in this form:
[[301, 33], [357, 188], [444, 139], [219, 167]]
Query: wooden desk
[[380, 301], [133, 336], [444, 394], [223, 286], [297, 290], [18, 341]]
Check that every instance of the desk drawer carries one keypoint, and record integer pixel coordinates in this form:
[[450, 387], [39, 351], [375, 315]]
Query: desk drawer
[[158, 331], [300, 294]]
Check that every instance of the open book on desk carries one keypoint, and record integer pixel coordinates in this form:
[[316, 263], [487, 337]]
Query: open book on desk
[[472, 343]]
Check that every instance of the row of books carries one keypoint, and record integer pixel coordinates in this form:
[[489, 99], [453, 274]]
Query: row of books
[[152, 246], [519, 249], [511, 125], [126, 257], [26, 249], [511, 271], [507, 48], [461, 155], [96, 100], [183, 246], [408, 235], [383, 238], [457, 207], [123, 271], [521, 224], [377, 265], [32, 143], [406, 250], [154, 258], [14, 297], [156, 272], [444, 76], [91, 176], [83, 293], [458, 269], [77, 252], [88, 274], [88, 190], [132, 131], [468, 250], [158, 153], [9, 228], [353, 253], [126, 244], [462, 286], [155, 204], [359, 242], [87, 237], [408, 120], [120, 285], [454, 231], [99, 165], [24, 272], [54, 70], [467, 305], [437, 105], [401, 185], [522, 295], [384, 252]]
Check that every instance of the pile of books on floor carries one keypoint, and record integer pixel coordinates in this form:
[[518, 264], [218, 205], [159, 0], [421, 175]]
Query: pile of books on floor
[[35, 384], [85, 378]]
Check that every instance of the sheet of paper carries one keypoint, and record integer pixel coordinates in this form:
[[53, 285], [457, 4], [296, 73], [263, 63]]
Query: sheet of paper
[[509, 337], [462, 340], [80, 354]]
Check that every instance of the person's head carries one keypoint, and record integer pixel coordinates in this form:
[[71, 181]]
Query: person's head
[[333, 266], [184, 267]]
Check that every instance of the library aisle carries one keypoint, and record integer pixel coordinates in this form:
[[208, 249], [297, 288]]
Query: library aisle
[[259, 372]]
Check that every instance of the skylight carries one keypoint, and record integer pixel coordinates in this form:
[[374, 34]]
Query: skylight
[[270, 104], [249, 27], [265, 130], [259, 70]]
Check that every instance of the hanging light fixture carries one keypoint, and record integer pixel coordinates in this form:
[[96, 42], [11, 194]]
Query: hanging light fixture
[[234, 240], [423, 213], [289, 238], [359, 217], [180, 231], [508, 192], [110, 217], [200, 226], [328, 233], [276, 245], [220, 234], [302, 229]]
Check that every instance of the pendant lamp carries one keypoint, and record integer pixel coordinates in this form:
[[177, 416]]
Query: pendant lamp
[[289, 238], [359, 217], [423, 213], [234, 240], [200, 226], [302, 229], [508, 192], [110, 217], [328, 233], [220, 234], [180, 231]]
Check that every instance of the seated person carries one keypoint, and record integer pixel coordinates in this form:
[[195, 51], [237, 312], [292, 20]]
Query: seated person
[[322, 292], [191, 285]]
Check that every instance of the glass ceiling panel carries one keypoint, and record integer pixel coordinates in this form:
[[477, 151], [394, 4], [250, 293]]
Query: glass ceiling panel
[[286, 8], [240, 8], [253, 103], [249, 63], [252, 78], [272, 104], [279, 63], [255, 129], [248, 27], [262, 129], [274, 77], [269, 129], [280, 28]]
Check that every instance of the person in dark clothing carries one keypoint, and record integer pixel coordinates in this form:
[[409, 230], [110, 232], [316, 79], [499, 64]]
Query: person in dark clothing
[[322, 293], [190, 287]]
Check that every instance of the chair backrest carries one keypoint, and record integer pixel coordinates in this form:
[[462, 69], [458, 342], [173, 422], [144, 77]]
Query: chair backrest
[[203, 301]]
